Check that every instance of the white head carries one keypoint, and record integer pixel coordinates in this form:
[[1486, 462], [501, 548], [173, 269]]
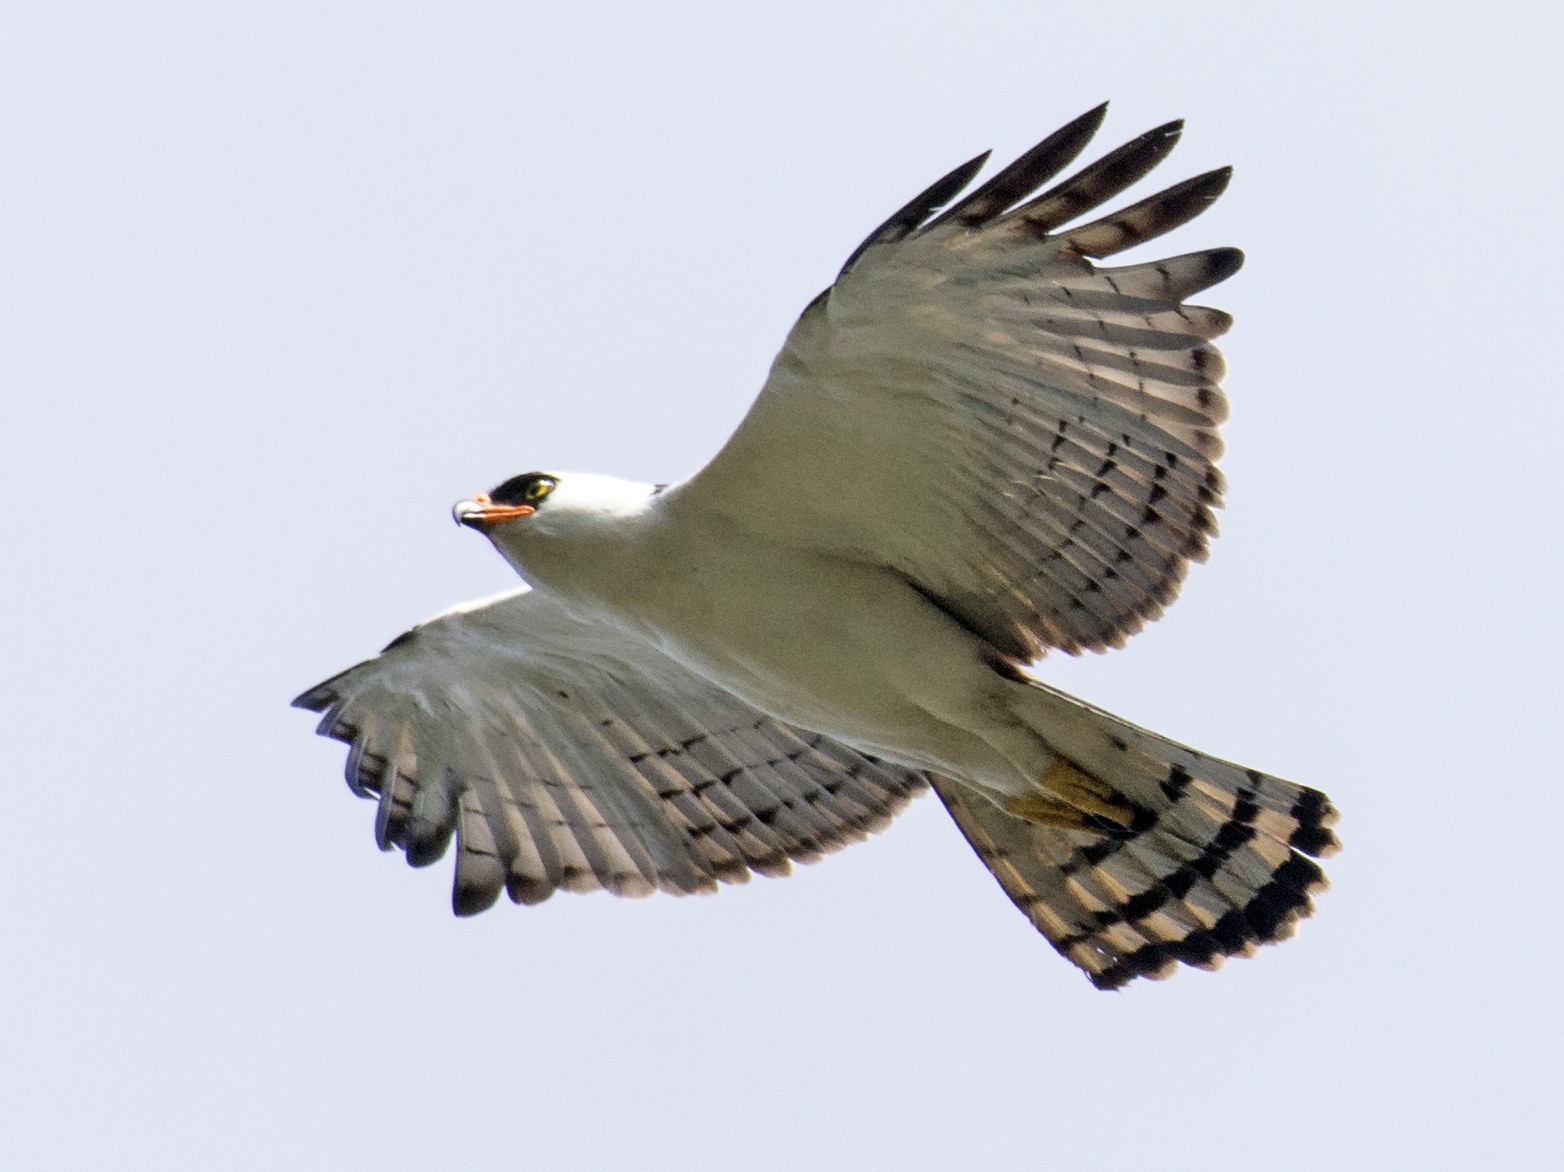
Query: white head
[[528, 514]]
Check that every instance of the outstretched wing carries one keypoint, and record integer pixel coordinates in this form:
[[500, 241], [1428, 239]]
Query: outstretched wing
[[1029, 437], [565, 754]]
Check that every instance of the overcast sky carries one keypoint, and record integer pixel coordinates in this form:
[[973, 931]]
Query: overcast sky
[[281, 281]]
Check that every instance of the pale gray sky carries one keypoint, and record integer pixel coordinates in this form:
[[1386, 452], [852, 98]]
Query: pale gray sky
[[282, 280]]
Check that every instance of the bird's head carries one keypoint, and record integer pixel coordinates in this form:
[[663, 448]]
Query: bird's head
[[554, 527], [519, 497], [551, 503]]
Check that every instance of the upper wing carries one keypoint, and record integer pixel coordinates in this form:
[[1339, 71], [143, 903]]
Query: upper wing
[[1028, 437], [563, 754]]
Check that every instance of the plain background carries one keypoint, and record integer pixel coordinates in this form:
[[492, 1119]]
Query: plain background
[[282, 280]]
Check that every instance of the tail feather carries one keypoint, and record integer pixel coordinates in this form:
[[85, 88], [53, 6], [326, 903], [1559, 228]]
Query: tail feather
[[1213, 862]]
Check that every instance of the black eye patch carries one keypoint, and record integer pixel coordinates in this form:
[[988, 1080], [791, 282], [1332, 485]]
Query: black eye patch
[[523, 489]]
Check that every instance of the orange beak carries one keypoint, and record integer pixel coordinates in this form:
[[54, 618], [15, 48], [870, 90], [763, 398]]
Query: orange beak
[[479, 512]]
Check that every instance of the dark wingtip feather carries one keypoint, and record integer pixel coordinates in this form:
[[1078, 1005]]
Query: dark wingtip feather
[[1150, 217], [1101, 181], [527, 892], [362, 770], [325, 693], [1176, 277], [317, 699], [907, 218], [470, 899], [1029, 172], [1224, 262], [425, 851]]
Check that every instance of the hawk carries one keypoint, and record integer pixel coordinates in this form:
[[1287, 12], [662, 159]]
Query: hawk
[[976, 446]]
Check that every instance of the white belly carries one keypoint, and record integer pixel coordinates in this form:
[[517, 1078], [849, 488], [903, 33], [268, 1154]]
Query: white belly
[[837, 647], [850, 651]]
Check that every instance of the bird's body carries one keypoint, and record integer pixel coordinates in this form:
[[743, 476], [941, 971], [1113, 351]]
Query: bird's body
[[842, 647], [976, 446]]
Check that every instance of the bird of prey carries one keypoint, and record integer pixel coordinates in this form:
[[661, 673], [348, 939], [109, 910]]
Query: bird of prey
[[976, 446]]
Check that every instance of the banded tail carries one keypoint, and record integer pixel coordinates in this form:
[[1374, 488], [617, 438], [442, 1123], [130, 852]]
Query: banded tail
[[1212, 860]]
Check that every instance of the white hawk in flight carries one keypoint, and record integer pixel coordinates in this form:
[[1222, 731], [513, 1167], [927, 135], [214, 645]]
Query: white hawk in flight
[[975, 446]]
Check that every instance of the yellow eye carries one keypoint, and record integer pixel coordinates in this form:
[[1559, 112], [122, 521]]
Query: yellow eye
[[527, 489]]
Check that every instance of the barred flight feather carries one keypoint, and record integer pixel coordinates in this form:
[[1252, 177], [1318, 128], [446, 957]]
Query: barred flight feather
[[1212, 864], [1151, 217], [1101, 181], [990, 317], [1029, 172], [666, 785]]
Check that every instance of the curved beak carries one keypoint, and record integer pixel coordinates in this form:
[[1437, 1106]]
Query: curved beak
[[479, 512]]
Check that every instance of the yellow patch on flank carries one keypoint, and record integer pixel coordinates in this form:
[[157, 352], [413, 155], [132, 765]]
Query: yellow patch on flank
[[1045, 811], [1084, 792]]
